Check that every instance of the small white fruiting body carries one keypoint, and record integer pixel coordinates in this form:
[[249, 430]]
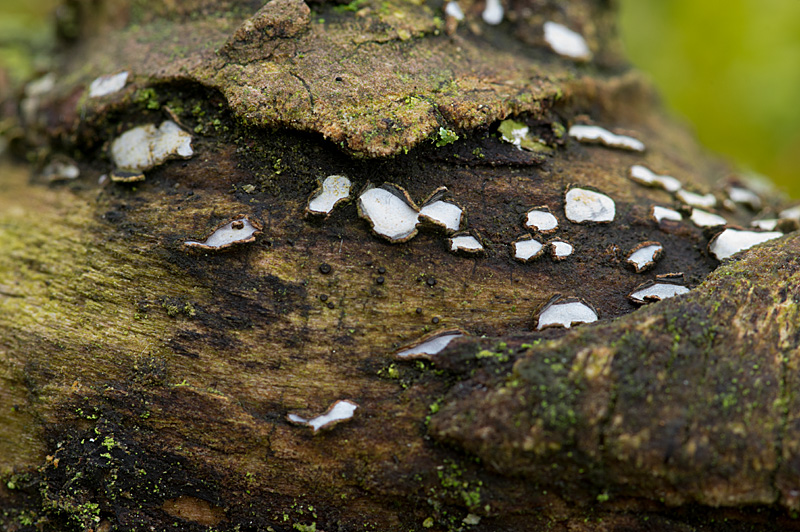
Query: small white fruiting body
[[338, 412], [792, 213], [663, 213], [656, 291], [61, 170], [645, 176], [430, 346], [560, 249], [541, 219], [586, 206], [566, 42], [466, 243], [703, 201], [645, 255], [765, 225], [701, 218], [732, 241], [334, 189], [146, 147], [598, 135], [108, 84], [493, 12], [565, 314], [442, 213], [744, 196], [454, 10], [527, 249], [239, 231], [392, 216]]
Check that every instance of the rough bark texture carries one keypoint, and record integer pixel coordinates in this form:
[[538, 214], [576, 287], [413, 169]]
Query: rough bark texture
[[147, 388]]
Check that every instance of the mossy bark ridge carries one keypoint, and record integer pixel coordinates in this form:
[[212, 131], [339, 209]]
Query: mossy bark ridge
[[146, 385]]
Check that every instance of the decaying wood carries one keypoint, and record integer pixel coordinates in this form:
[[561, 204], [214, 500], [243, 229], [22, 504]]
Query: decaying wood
[[147, 386]]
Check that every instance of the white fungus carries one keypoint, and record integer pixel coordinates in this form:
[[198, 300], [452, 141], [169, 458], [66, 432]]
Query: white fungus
[[108, 84], [560, 249], [645, 176], [566, 42], [390, 212], [598, 135], [792, 213], [61, 170], [430, 344], [744, 196], [656, 291], [541, 219], [493, 12], [527, 249], [466, 244], [644, 256], [442, 213], [146, 147], [584, 206], [454, 10], [701, 218], [239, 231], [731, 241], [704, 201], [663, 213], [339, 411], [334, 189], [565, 313], [765, 224]]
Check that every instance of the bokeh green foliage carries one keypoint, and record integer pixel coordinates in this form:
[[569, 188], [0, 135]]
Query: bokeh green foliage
[[732, 67]]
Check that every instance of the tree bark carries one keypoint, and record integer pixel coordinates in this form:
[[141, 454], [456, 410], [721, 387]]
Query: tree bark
[[149, 386]]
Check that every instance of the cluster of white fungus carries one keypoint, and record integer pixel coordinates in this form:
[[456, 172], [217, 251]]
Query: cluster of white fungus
[[560, 249], [527, 249], [702, 218], [566, 42], [108, 84], [332, 191], [454, 10], [493, 12], [541, 220], [587, 206], [565, 313], [390, 211], [339, 411], [242, 230], [465, 244], [663, 213], [441, 213], [656, 291], [693, 199], [644, 256], [598, 135], [644, 176], [732, 241], [430, 344], [146, 147]]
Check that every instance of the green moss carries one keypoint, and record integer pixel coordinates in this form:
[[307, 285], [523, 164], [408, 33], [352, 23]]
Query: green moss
[[445, 137]]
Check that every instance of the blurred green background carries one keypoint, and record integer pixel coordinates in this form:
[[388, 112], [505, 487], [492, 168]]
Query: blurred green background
[[731, 67]]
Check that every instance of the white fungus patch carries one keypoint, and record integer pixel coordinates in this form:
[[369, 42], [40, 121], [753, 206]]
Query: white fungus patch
[[792, 213], [146, 147], [644, 256], [656, 291], [587, 206], [242, 230], [703, 201], [566, 42], [702, 218], [108, 84], [493, 12], [440, 212], [565, 313], [732, 241], [541, 219], [390, 211], [663, 213], [644, 176], [560, 249], [35, 91], [61, 170], [527, 249], [454, 10], [339, 411], [598, 135], [465, 244], [429, 345], [768, 224], [333, 190], [744, 196]]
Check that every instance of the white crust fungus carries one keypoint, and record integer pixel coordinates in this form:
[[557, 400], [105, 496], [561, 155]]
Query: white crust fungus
[[765, 224], [390, 211], [663, 213], [108, 84], [744, 196], [465, 244], [644, 256], [339, 411], [333, 190], [560, 249], [587, 206], [541, 220], [527, 249], [493, 12], [454, 10], [566, 42], [242, 230], [439, 212], [61, 169], [565, 313], [146, 147], [430, 344], [644, 176], [732, 241], [704, 201], [792, 213], [701, 218], [656, 291], [598, 135]]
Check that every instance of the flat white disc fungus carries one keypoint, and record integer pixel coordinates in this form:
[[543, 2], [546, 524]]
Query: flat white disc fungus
[[146, 147], [560, 250], [465, 243], [598, 135], [338, 412], [239, 231], [541, 220], [792, 213], [704, 201], [566, 42], [663, 213], [493, 12], [701, 218], [430, 345], [527, 249], [391, 216], [744, 196], [442, 213], [454, 10], [583, 206], [732, 241], [565, 313], [108, 84], [61, 170], [656, 291], [644, 256], [765, 225], [645, 176], [335, 188]]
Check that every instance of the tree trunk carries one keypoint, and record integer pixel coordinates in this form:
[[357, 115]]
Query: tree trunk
[[153, 383]]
